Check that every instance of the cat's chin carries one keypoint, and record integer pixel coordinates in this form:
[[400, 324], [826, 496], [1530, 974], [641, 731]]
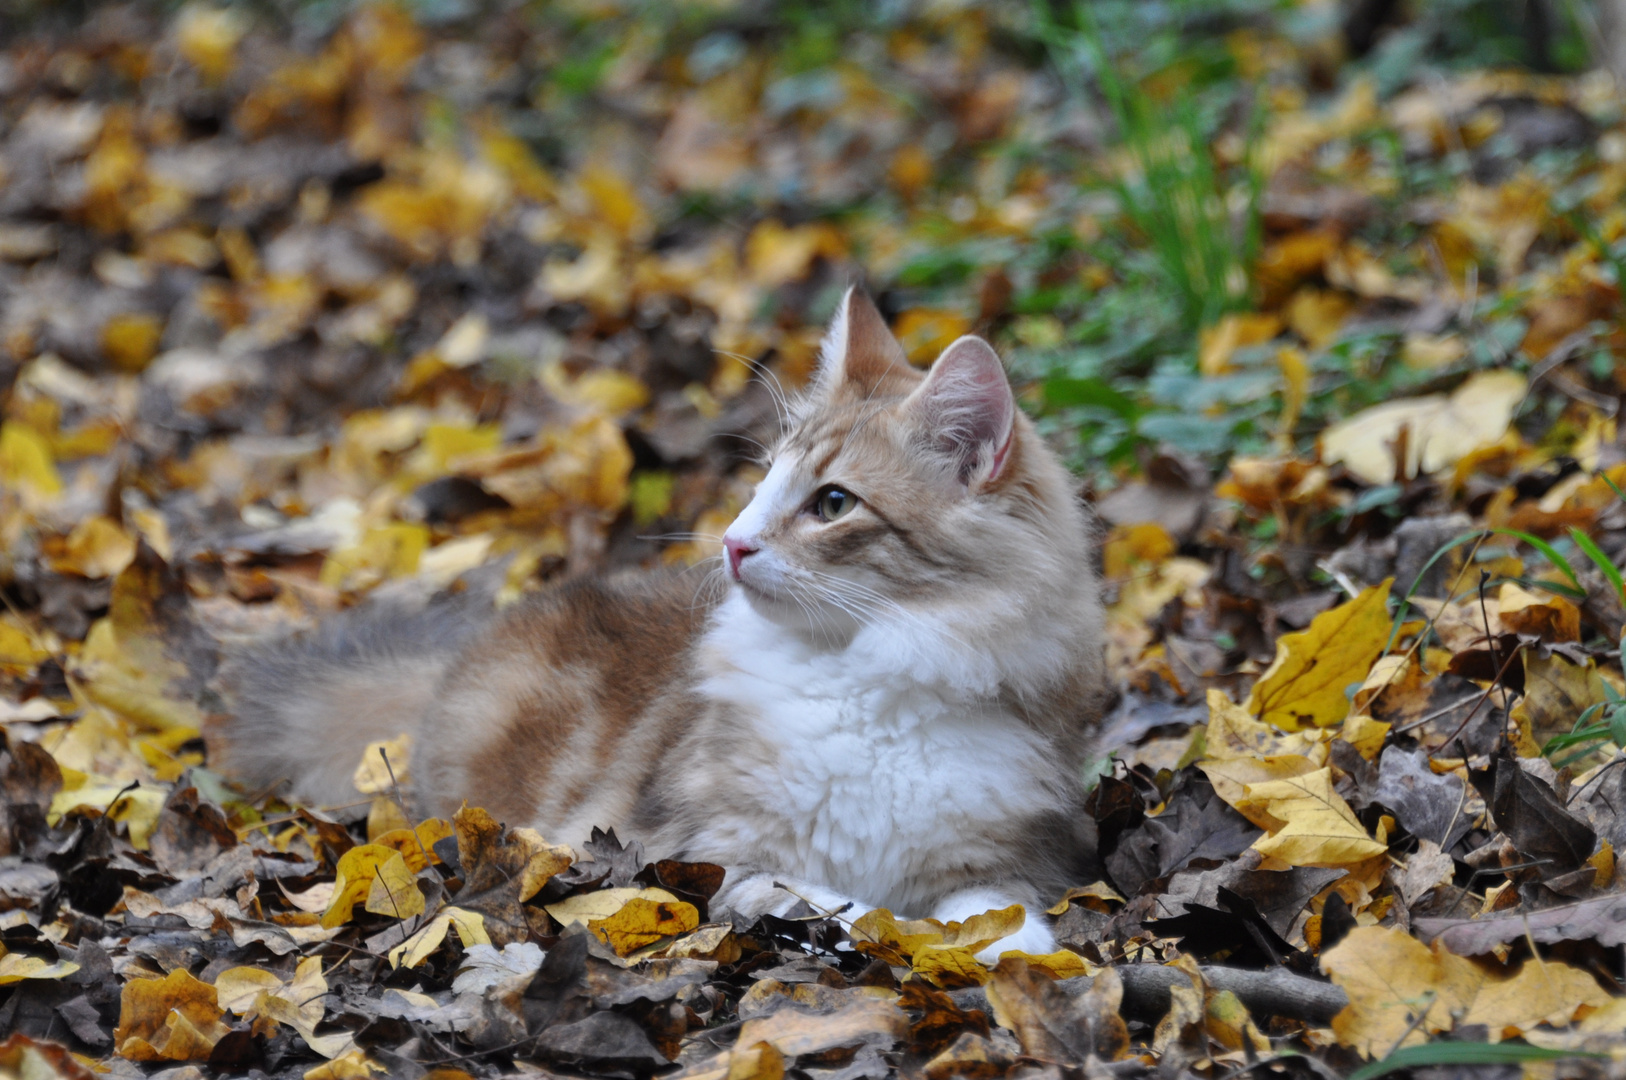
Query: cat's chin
[[825, 626]]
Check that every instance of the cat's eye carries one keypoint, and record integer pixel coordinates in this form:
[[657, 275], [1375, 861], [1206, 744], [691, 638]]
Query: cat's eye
[[834, 502]]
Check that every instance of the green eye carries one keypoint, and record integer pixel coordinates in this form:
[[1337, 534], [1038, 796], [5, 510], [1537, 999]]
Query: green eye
[[833, 502]]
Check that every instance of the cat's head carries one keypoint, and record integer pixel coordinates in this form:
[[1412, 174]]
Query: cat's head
[[896, 495]]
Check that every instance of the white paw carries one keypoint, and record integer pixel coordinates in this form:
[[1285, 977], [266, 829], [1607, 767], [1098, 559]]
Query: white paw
[[1034, 937], [769, 894]]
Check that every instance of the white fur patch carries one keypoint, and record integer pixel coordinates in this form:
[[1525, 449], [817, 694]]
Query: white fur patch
[[879, 783]]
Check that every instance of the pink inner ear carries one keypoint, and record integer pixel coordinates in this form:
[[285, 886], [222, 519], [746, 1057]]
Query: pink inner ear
[[967, 405]]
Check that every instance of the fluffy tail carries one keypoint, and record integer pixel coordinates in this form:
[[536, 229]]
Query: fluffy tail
[[303, 710]]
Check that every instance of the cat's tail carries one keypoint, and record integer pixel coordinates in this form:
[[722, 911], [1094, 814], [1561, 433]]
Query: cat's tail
[[301, 711]]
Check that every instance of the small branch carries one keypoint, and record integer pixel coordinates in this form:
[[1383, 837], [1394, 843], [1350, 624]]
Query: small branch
[[1275, 992]]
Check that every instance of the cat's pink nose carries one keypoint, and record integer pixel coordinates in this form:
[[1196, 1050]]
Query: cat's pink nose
[[737, 551]]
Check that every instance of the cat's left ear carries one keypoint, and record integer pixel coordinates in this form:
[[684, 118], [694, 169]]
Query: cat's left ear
[[859, 352], [966, 408]]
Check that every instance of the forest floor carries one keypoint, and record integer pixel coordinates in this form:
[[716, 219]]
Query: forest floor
[[309, 304]]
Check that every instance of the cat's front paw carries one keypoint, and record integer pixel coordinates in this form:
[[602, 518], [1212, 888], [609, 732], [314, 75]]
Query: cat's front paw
[[756, 894], [1034, 937]]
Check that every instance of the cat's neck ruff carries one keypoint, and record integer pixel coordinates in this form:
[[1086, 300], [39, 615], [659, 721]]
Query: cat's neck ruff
[[977, 650]]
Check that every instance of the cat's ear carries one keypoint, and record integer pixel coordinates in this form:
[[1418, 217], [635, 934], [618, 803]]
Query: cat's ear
[[966, 409], [859, 350]]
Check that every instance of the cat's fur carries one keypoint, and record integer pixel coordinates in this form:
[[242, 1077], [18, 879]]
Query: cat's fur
[[891, 709]]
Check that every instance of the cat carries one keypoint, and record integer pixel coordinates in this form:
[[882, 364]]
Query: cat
[[890, 704]]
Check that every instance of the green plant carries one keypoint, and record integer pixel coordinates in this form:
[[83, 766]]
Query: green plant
[[1172, 192]]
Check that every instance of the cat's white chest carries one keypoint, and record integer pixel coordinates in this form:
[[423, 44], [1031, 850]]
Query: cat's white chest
[[869, 780]]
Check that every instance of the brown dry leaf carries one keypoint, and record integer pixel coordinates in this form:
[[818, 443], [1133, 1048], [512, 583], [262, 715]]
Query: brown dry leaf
[[1546, 615], [1441, 430], [1306, 684], [863, 1021], [1051, 1025], [1556, 692], [176, 1018]]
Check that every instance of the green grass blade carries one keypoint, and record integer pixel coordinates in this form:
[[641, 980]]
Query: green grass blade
[[1463, 1053], [1595, 553], [1547, 550]]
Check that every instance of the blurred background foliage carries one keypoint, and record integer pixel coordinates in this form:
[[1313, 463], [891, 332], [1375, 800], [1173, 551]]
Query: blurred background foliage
[[1208, 226]]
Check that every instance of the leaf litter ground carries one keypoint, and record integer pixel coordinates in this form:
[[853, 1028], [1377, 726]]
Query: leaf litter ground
[[298, 313]]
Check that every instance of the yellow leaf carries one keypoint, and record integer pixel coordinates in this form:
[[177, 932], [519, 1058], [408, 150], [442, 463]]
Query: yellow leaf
[[20, 647], [1305, 685], [1217, 343], [236, 989], [1365, 734], [1234, 733], [1391, 978], [417, 846], [373, 775], [584, 909], [611, 393], [208, 37], [616, 200], [949, 966], [137, 807], [925, 332], [1295, 390], [1440, 430], [25, 462], [15, 967], [1061, 965], [1315, 826], [130, 340], [1426, 352], [1096, 897], [776, 254], [1316, 315], [394, 891], [354, 880], [96, 548], [1542, 992], [420, 946], [352, 1066], [176, 1018], [1129, 547], [388, 551], [640, 922], [879, 933], [980, 931]]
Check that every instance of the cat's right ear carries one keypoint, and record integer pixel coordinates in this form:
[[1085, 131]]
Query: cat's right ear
[[859, 351]]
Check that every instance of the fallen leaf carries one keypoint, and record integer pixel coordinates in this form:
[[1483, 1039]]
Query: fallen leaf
[[1306, 684], [1311, 824], [176, 1018], [1441, 430]]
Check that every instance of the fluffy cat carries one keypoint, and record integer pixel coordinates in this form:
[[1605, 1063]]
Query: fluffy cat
[[889, 706]]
